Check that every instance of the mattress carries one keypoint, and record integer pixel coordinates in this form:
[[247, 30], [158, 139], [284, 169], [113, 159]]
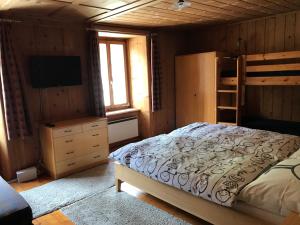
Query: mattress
[[214, 162], [284, 127]]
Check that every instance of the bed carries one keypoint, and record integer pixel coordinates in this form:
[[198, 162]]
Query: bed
[[202, 169]]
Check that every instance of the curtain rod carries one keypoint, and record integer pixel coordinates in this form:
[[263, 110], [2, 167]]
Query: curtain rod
[[123, 30]]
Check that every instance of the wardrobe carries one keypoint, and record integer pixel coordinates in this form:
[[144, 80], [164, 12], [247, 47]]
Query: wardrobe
[[201, 94]]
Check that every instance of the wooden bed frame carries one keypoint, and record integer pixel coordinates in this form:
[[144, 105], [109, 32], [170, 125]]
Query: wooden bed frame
[[208, 211]]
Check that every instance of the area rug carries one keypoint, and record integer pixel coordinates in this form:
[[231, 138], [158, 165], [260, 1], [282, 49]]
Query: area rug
[[57, 194], [117, 208]]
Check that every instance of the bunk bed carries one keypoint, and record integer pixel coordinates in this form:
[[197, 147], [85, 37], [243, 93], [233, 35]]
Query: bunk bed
[[280, 68], [270, 69]]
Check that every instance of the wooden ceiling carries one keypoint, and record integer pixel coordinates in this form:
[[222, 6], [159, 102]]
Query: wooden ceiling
[[146, 13]]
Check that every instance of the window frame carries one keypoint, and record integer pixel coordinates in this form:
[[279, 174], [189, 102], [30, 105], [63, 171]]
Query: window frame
[[107, 42]]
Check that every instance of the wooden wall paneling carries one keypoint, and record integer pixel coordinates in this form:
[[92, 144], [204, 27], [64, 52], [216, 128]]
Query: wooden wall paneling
[[251, 37], [78, 101], [243, 36], [270, 31], [51, 103], [140, 90], [251, 93], [290, 23], [260, 26], [279, 34], [266, 99], [289, 44], [58, 103], [221, 39], [233, 38], [270, 34], [278, 102], [171, 43], [287, 104], [252, 109], [78, 95], [295, 103], [297, 31]]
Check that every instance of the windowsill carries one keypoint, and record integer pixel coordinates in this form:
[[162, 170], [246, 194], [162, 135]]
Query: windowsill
[[118, 114]]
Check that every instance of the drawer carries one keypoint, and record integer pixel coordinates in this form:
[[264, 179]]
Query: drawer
[[100, 147], [94, 125], [68, 142], [95, 136], [95, 140], [61, 132], [66, 147], [93, 158], [68, 165], [75, 163]]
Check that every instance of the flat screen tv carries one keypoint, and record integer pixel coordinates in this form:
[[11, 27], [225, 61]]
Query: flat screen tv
[[53, 71]]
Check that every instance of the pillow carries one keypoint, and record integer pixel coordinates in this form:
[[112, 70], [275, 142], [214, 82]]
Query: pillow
[[277, 190], [296, 155]]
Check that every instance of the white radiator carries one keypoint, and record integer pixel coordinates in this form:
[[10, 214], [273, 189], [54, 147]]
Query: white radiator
[[122, 129]]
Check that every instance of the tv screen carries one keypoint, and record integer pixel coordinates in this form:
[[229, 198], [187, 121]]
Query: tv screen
[[52, 71]]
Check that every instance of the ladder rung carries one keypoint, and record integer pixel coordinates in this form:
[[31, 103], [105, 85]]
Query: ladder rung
[[227, 107], [229, 81], [227, 91]]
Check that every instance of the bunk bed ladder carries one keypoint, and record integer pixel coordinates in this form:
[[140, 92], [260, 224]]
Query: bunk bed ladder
[[228, 93]]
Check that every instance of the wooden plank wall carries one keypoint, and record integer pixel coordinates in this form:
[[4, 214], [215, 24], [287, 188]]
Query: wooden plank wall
[[271, 34], [171, 43], [139, 82], [70, 102], [53, 103]]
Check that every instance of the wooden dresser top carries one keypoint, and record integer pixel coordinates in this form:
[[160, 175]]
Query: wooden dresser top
[[77, 121]]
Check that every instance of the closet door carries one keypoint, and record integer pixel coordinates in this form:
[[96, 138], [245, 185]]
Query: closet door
[[195, 88]]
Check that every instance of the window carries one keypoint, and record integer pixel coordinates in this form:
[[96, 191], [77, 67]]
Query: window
[[114, 74]]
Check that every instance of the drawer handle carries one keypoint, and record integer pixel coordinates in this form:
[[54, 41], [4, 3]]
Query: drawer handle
[[71, 164], [96, 146], [68, 141], [68, 131], [97, 156], [94, 135], [96, 125], [69, 153]]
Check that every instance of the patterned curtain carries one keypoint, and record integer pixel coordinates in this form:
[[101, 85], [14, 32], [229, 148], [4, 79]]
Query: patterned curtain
[[15, 111], [156, 73], [95, 74]]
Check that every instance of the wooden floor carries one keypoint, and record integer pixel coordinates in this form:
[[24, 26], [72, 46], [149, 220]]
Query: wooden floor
[[58, 218]]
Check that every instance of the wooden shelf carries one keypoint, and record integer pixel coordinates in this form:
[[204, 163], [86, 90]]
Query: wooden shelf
[[230, 81], [280, 80], [228, 91], [228, 123], [227, 107]]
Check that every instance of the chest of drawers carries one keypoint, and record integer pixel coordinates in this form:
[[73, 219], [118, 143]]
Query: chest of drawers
[[74, 145]]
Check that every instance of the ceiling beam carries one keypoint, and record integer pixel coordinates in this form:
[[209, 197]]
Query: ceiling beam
[[123, 9]]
